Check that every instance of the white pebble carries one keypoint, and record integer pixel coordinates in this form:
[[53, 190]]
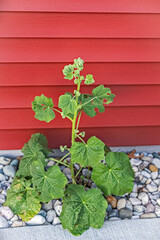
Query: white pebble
[[154, 175], [156, 162], [121, 203], [56, 221], [4, 161], [9, 171], [58, 209], [6, 212], [135, 201], [36, 220], [143, 197], [50, 216], [151, 188]]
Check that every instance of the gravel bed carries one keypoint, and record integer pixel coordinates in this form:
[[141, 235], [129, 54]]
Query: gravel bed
[[142, 202]]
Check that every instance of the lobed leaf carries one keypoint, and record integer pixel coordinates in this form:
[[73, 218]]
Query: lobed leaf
[[116, 178], [35, 150], [67, 103], [50, 183], [78, 63], [87, 154], [102, 93], [42, 106], [22, 199], [82, 209]]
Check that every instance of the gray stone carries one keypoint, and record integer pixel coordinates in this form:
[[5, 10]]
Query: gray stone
[[125, 213], [3, 222], [148, 215], [144, 180], [109, 208], [67, 173], [47, 206], [135, 162], [146, 158], [18, 223], [113, 213], [42, 213], [139, 208], [133, 195], [135, 169], [4, 161], [85, 172], [36, 220], [9, 171], [134, 217], [143, 197], [51, 163], [14, 218], [6, 212], [14, 162], [135, 201], [135, 188], [76, 166], [151, 188], [149, 208], [56, 221], [2, 177], [154, 175], [121, 203], [129, 205], [145, 174], [158, 201], [2, 198], [58, 209], [156, 162], [157, 181], [57, 202], [137, 213], [51, 214], [114, 218], [93, 185]]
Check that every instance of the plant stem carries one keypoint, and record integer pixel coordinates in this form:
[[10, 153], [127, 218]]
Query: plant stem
[[81, 139], [61, 113], [58, 161], [73, 130], [63, 158], [78, 172], [79, 117]]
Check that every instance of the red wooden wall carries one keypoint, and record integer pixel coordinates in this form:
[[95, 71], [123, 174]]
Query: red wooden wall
[[118, 40]]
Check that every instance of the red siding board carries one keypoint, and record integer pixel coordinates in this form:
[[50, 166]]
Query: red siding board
[[132, 136], [64, 50], [44, 74], [21, 97], [78, 25], [120, 44], [112, 117], [151, 6]]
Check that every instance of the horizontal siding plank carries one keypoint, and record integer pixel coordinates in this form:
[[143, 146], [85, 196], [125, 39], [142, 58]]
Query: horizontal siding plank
[[112, 117], [33, 74], [21, 97], [132, 136], [75, 25], [64, 50], [81, 6]]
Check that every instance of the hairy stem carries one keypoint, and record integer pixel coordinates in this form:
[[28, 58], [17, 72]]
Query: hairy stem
[[61, 114], [58, 161], [81, 139], [78, 172], [73, 129]]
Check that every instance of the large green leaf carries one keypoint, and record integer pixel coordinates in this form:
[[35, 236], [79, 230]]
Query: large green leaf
[[115, 178], [22, 199], [101, 92], [82, 209], [67, 103], [88, 107], [87, 154], [42, 143], [32, 153], [49, 183], [42, 106], [68, 72], [89, 79]]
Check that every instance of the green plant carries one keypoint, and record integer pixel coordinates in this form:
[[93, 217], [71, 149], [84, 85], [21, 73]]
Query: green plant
[[33, 184]]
